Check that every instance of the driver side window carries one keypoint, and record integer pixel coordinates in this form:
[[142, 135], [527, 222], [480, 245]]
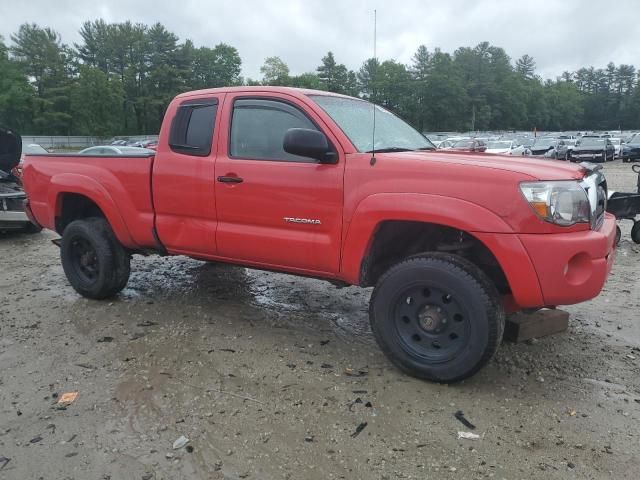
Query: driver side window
[[258, 127]]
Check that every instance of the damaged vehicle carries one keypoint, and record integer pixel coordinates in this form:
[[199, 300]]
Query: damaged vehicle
[[12, 197], [293, 180]]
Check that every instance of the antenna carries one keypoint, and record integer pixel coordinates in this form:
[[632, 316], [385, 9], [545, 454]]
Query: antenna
[[375, 71]]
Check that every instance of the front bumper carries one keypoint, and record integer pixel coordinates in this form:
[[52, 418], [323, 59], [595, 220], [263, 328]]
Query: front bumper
[[572, 267]]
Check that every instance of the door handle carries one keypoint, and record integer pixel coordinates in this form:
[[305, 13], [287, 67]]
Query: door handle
[[227, 179]]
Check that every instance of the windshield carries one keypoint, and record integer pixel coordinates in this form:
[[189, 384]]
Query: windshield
[[463, 144], [543, 142], [355, 118], [33, 148], [499, 145], [592, 142]]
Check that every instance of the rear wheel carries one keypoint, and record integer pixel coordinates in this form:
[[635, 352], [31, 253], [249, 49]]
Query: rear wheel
[[95, 263], [437, 317]]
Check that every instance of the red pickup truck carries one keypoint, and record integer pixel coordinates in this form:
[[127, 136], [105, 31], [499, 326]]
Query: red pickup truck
[[295, 181]]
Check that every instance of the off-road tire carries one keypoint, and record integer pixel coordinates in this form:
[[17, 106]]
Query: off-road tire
[[107, 271], [480, 318]]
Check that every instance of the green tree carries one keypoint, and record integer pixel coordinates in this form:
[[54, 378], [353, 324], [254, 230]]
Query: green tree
[[16, 95], [96, 101], [275, 72], [48, 64], [333, 77]]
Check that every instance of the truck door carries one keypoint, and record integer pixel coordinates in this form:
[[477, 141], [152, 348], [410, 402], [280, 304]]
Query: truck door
[[183, 177], [275, 209]]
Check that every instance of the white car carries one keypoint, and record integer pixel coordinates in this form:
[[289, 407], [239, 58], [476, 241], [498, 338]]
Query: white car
[[111, 150], [506, 147], [617, 146]]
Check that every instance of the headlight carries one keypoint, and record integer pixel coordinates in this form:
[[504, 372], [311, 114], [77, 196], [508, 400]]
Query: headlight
[[563, 203]]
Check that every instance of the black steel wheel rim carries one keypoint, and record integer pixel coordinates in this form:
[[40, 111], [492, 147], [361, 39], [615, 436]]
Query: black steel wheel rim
[[84, 260], [431, 323]]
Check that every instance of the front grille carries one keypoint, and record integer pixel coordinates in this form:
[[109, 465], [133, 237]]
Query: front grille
[[595, 185], [11, 204]]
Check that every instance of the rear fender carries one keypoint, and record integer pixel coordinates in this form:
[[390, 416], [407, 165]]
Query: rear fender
[[86, 186]]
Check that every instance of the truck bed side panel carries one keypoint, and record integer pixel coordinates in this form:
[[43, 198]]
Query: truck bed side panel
[[120, 186]]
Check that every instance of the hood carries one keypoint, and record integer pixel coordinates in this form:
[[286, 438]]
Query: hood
[[497, 150], [10, 149], [530, 167]]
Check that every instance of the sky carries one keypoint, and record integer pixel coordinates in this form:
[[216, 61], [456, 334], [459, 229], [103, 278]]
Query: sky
[[560, 34]]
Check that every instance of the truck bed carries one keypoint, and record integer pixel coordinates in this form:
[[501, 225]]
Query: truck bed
[[119, 185]]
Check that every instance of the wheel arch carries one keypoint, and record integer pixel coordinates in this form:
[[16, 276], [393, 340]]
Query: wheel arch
[[78, 196], [384, 228]]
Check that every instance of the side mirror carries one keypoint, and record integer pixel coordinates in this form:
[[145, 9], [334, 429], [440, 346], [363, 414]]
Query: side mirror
[[308, 143]]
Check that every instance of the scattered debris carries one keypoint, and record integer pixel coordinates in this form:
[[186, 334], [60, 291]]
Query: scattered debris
[[358, 391], [359, 429], [36, 439], [147, 476], [353, 373], [189, 449], [326, 365], [3, 462], [461, 418], [72, 454], [468, 435], [105, 340], [230, 350], [85, 365], [180, 442], [309, 438], [324, 342], [571, 465], [147, 323], [572, 413], [68, 398]]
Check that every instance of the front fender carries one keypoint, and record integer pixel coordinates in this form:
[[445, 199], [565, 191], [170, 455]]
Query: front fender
[[375, 209], [88, 187]]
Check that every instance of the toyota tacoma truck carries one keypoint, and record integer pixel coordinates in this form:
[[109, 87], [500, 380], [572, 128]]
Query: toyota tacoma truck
[[299, 181]]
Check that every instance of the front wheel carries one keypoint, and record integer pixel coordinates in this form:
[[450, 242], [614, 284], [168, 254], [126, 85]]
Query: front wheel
[[437, 317], [94, 261]]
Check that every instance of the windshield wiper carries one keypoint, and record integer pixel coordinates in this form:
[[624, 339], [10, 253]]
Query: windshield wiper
[[390, 149]]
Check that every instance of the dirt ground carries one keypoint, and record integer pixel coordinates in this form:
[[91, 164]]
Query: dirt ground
[[277, 377]]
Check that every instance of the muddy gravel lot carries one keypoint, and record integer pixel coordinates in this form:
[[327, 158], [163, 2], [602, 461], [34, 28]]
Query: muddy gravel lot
[[276, 377]]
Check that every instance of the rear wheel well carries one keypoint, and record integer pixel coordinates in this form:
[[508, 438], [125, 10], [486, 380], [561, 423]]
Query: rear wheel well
[[74, 207], [396, 240]]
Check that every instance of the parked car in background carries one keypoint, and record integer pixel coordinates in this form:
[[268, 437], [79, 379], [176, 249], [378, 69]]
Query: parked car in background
[[447, 144], [111, 150], [119, 142], [506, 147], [470, 145], [631, 150], [12, 197], [595, 149], [617, 146], [28, 149], [562, 149], [150, 144], [542, 145]]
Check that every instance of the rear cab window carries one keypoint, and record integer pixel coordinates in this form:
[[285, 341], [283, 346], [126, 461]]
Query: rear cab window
[[192, 127]]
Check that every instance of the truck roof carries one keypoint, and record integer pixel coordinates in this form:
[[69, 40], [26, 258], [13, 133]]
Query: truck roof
[[297, 92]]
